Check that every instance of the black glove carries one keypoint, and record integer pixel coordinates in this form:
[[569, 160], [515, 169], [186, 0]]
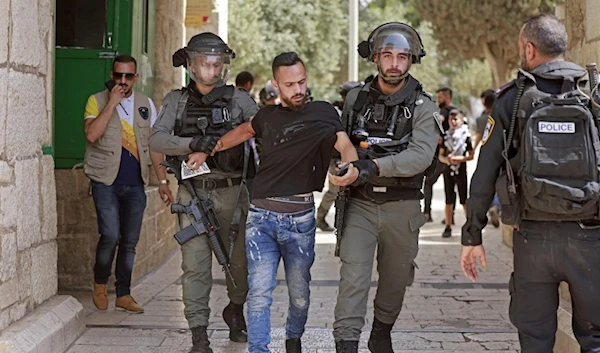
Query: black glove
[[204, 144], [367, 170]]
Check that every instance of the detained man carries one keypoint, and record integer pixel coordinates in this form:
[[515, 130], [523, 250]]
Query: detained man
[[297, 141]]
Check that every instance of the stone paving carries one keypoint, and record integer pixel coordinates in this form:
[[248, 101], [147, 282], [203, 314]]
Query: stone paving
[[443, 311]]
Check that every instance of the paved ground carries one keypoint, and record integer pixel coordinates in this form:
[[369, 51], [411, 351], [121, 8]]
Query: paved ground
[[443, 311]]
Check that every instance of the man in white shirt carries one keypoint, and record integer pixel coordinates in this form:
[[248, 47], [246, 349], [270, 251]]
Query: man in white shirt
[[117, 159]]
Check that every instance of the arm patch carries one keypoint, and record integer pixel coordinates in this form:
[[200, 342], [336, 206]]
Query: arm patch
[[487, 132]]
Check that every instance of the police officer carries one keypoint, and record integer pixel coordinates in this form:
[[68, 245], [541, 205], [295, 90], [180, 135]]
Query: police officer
[[268, 95], [332, 190], [558, 248], [198, 115], [397, 126]]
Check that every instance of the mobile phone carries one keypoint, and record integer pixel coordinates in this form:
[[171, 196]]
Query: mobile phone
[[110, 84]]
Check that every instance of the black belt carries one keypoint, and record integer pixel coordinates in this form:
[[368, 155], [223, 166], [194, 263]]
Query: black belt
[[293, 199], [384, 194], [213, 184]]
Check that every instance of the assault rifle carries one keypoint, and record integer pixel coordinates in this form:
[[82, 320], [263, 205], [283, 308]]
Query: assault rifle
[[202, 216], [341, 202]]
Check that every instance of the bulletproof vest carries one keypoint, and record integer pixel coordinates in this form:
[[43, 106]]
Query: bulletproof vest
[[387, 120], [558, 155], [210, 115]]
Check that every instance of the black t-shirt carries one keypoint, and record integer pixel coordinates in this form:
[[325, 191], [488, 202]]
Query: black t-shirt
[[295, 148]]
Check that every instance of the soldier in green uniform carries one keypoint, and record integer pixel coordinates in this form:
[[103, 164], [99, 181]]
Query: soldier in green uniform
[[191, 121], [396, 127]]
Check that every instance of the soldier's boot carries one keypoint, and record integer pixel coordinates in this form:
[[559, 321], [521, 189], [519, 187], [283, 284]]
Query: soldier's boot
[[380, 340], [233, 314], [200, 340], [346, 347], [323, 225], [293, 345]]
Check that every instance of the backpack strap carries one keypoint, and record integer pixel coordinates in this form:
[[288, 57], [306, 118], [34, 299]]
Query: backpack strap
[[361, 100], [521, 81]]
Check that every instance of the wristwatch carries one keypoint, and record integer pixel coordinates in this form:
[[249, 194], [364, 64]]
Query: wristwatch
[[165, 182]]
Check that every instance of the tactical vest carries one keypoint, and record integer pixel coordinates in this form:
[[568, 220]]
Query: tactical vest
[[211, 116], [103, 157], [388, 122]]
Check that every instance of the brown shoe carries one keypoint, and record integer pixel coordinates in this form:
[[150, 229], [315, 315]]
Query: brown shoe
[[128, 304], [100, 296]]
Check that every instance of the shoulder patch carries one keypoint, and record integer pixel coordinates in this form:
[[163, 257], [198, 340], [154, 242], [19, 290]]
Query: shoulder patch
[[487, 132]]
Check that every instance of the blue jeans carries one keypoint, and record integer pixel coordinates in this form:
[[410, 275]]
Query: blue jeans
[[120, 210], [269, 237]]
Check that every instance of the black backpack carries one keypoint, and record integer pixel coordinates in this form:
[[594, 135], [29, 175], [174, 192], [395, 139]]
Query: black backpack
[[559, 152]]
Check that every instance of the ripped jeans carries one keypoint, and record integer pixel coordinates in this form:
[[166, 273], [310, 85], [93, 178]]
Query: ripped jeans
[[269, 237]]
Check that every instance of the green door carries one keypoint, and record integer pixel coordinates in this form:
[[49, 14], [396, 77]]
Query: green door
[[89, 34]]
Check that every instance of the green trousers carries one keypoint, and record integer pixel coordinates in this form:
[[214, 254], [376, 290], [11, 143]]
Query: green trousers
[[393, 229], [197, 255]]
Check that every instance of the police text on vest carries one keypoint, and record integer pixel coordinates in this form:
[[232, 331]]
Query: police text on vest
[[556, 127]]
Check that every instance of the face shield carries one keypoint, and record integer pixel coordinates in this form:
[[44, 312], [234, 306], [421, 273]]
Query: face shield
[[208, 68], [399, 37], [388, 43]]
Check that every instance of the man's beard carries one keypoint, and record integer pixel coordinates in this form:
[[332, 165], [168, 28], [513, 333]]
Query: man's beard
[[442, 105], [524, 64], [293, 106], [393, 83]]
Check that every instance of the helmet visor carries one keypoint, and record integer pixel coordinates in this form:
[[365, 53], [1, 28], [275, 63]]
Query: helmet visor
[[395, 39], [208, 68]]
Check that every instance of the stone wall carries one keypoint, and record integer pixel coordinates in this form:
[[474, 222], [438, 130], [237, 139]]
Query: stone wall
[[584, 47], [584, 31], [27, 192], [78, 232], [170, 36]]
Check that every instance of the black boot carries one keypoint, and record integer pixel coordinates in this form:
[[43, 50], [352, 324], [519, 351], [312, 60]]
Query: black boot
[[346, 347], [200, 340], [233, 314], [380, 340], [292, 345]]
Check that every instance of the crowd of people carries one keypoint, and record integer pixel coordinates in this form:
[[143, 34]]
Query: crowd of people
[[247, 174]]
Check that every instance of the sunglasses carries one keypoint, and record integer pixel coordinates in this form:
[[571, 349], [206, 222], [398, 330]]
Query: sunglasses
[[119, 75]]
